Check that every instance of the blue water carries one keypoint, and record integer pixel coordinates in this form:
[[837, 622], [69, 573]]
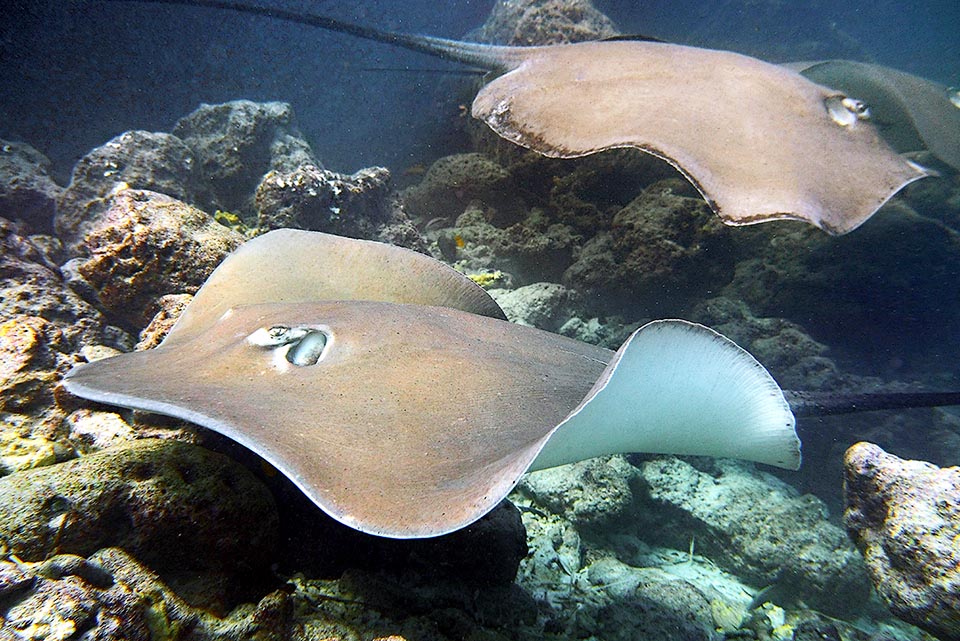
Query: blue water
[[74, 74]]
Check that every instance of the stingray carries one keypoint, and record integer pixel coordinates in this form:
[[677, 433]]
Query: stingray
[[389, 389], [760, 142], [913, 113]]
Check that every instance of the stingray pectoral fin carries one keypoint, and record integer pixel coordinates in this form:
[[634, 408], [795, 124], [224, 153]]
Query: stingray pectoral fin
[[293, 265], [676, 387]]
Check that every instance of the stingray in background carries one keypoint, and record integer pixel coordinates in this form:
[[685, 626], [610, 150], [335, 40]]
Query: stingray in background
[[759, 141], [389, 389]]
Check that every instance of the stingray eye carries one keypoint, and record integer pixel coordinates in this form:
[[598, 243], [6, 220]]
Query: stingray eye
[[309, 349], [300, 345], [846, 111]]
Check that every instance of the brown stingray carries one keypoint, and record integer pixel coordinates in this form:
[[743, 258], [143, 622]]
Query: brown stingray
[[913, 113], [413, 420], [405, 430], [758, 141]]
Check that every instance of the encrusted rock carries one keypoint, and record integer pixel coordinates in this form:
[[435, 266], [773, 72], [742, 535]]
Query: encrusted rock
[[649, 599], [453, 182], [544, 305], [148, 245], [31, 286], [136, 159], [33, 356], [169, 308], [794, 358], [184, 510], [236, 143], [317, 199], [663, 250], [893, 281], [110, 596], [530, 251], [905, 518], [27, 193], [591, 493], [541, 22], [755, 526]]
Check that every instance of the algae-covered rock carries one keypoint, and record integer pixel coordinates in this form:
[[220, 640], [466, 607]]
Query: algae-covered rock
[[530, 251], [893, 284], [648, 599], [662, 252], [236, 143], [756, 527], [148, 245], [136, 159], [27, 192], [544, 305], [110, 596], [591, 493], [795, 359], [540, 22], [32, 358], [453, 182], [31, 286], [317, 199], [199, 519], [905, 518]]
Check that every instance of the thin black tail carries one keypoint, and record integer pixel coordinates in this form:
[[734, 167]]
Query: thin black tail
[[829, 403], [490, 57]]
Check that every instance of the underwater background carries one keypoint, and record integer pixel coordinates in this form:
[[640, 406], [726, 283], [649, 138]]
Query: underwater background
[[86, 71], [638, 547]]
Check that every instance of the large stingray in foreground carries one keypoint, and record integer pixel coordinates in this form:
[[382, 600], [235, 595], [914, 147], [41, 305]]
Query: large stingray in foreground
[[387, 387], [411, 420], [760, 142]]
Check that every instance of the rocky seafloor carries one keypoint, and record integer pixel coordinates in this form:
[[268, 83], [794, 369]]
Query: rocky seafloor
[[123, 525]]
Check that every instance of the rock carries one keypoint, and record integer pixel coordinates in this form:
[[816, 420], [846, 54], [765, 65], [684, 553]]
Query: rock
[[90, 431], [31, 286], [905, 518], [597, 186], [754, 526], [611, 332], [42, 325], [321, 200], [453, 182], [110, 596], [590, 494], [236, 143], [795, 359], [27, 192], [136, 159], [197, 518], [169, 308], [33, 356], [544, 305], [542, 22], [648, 599], [530, 251], [148, 245], [894, 281], [662, 252]]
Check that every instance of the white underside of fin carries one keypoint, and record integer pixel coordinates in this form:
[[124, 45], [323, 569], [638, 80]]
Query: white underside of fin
[[675, 387]]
